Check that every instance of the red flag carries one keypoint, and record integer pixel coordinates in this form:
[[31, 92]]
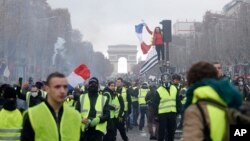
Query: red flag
[[83, 71], [145, 48]]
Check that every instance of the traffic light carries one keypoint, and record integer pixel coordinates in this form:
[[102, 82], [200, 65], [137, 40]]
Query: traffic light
[[167, 30]]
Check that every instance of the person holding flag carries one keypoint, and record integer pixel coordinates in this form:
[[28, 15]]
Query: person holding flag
[[157, 41]]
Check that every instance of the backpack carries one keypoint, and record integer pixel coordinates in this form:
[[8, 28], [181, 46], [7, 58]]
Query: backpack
[[240, 116]]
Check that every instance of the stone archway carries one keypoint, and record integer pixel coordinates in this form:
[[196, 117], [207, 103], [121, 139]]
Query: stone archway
[[127, 51]]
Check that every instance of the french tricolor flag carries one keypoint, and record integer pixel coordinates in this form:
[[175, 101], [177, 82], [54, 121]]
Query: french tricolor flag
[[138, 30], [79, 75]]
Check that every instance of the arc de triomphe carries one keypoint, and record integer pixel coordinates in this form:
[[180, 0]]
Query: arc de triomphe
[[115, 52]]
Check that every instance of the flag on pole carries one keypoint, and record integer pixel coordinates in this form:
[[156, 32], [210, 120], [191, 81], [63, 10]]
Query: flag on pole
[[138, 30], [151, 61], [79, 75]]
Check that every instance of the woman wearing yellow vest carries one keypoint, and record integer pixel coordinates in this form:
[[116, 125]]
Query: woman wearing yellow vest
[[52, 120], [207, 98], [95, 112], [10, 117]]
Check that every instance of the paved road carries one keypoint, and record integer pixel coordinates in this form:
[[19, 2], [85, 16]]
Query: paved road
[[136, 135]]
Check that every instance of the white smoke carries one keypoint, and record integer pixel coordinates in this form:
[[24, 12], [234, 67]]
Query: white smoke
[[58, 49]]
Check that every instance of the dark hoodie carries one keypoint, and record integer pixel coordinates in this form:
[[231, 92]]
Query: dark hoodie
[[226, 91]]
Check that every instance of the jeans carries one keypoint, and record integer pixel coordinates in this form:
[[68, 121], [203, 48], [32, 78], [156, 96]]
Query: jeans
[[152, 123], [143, 113], [135, 114], [160, 51]]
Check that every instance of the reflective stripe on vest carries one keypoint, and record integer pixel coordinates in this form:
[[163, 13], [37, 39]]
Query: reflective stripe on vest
[[142, 96], [28, 94], [44, 94], [45, 126], [85, 109], [9, 138], [109, 102], [10, 125], [184, 100], [109, 97], [124, 96], [168, 100]]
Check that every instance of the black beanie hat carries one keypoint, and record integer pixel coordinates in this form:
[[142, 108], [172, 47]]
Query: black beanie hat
[[93, 80], [9, 92]]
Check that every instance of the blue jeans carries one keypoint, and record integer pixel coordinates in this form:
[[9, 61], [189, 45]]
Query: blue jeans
[[143, 113], [135, 112]]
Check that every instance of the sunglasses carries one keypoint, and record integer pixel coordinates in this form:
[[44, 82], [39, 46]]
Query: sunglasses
[[61, 86]]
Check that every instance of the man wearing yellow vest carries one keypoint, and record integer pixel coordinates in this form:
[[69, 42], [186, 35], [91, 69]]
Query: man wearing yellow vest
[[143, 105], [32, 97], [95, 112], [51, 120], [166, 101], [10, 117], [40, 86], [116, 107], [127, 105]]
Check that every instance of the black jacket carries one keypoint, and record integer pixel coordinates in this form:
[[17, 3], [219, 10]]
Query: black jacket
[[135, 92], [33, 100], [150, 96]]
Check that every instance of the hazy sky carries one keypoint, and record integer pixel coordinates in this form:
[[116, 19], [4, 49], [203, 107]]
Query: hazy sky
[[110, 22]]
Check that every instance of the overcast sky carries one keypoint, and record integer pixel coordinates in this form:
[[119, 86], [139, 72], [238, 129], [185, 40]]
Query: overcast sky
[[110, 22]]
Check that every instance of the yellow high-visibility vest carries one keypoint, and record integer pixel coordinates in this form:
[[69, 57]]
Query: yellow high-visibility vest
[[168, 100], [216, 115], [10, 125], [142, 96], [124, 96], [184, 100], [45, 126], [115, 103], [85, 109]]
